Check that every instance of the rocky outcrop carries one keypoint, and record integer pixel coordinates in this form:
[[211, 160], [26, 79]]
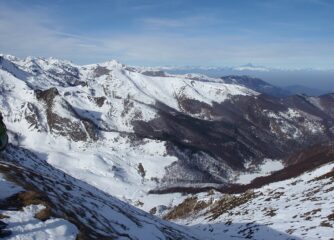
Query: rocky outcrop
[[76, 128]]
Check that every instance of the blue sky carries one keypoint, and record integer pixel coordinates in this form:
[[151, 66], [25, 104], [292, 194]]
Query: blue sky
[[274, 33]]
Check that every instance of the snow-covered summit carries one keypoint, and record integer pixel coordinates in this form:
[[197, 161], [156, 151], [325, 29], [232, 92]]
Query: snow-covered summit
[[111, 64], [158, 88]]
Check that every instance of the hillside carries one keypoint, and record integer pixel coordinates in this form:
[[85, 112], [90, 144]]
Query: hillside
[[98, 139], [300, 207], [25, 214], [93, 213]]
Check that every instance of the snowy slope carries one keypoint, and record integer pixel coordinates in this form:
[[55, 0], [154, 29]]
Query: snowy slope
[[298, 208], [23, 224], [96, 214]]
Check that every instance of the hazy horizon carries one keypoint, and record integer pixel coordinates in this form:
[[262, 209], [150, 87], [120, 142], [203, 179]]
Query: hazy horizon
[[319, 81]]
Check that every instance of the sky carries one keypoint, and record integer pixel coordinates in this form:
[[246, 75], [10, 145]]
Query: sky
[[273, 33]]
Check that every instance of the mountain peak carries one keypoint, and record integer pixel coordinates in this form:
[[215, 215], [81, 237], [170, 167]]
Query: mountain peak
[[9, 57], [112, 64]]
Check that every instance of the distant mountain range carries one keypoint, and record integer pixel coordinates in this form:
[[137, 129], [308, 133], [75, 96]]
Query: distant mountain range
[[312, 82], [264, 87], [300, 89], [257, 85]]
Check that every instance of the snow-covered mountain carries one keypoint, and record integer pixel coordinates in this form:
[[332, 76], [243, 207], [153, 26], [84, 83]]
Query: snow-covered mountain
[[117, 132], [93, 118], [151, 130]]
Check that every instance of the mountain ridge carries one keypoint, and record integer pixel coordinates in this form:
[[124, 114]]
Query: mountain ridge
[[208, 130], [125, 132]]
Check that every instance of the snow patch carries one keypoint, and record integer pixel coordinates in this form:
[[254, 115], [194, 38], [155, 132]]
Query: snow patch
[[266, 168], [24, 226]]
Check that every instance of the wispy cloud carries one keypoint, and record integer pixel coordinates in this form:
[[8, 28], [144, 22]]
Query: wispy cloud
[[181, 22], [163, 23], [283, 4], [318, 2], [32, 32]]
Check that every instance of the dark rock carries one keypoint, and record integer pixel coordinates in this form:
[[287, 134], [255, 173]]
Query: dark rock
[[100, 101], [100, 71], [74, 129], [5, 233], [156, 73], [3, 225], [47, 95]]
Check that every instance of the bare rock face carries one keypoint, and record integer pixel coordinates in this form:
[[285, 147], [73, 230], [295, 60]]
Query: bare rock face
[[76, 129], [154, 73], [100, 101], [33, 116], [100, 71], [47, 95]]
